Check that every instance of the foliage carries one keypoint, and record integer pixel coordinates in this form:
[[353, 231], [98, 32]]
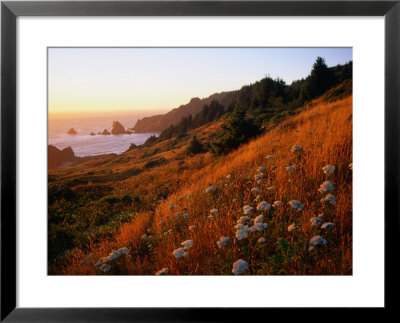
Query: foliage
[[195, 146], [155, 163], [238, 130], [267, 100]]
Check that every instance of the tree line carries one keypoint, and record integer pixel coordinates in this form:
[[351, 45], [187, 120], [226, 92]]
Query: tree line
[[267, 100]]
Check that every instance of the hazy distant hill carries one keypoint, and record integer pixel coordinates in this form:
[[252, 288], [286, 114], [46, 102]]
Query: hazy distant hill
[[160, 122]]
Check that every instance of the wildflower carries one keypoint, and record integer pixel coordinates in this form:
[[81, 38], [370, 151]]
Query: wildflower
[[144, 236], [105, 268], [210, 217], [223, 241], [315, 221], [186, 215], [326, 186], [260, 181], [171, 206], [243, 220], [161, 222], [296, 148], [271, 188], [290, 168], [261, 169], [214, 211], [228, 176], [242, 231], [259, 227], [259, 219], [258, 177], [239, 266], [317, 241], [263, 206], [255, 190], [296, 205], [99, 262], [328, 169], [192, 227], [268, 157], [177, 214], [277, 203], [261, 240], [188, 195], [187, 244], [351, 166], [163, 271], [122, 251], [292, 227], [158, 211], [258, 198], [247, 209], [185, 254], [209, 189], [234, 200], [329, 199], [273, 167], [328, 225], [113, 255], [178, 253]]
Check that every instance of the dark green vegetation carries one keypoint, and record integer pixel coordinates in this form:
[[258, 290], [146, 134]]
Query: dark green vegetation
[[87, 213]]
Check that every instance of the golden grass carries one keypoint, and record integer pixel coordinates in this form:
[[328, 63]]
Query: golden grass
[[324, 130]]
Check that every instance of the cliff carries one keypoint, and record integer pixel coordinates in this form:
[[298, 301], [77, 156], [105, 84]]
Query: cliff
[[160, 122], [59, 158]]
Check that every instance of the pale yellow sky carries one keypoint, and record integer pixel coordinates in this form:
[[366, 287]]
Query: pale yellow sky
[[160, 79]]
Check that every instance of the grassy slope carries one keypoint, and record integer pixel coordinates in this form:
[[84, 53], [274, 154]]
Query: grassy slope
[[324, 130]]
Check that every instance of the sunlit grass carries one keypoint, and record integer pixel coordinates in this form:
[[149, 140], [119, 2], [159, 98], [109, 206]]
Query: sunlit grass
[[282, 206]]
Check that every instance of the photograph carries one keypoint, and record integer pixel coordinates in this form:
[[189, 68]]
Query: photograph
[[200, 161]]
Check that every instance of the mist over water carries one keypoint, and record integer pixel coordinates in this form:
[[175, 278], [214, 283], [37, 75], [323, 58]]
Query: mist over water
[[85, 145]]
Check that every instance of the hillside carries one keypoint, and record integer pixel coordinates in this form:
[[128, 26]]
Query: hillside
[[263, 101], [129, 214], [160, 122]]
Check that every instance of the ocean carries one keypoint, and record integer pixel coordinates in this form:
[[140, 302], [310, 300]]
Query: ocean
[[83, 144]]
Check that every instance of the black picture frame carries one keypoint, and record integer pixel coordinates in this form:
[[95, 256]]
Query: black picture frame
[[11, 10]]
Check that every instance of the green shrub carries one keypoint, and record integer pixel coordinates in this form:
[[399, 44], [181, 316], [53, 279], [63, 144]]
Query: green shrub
[[195, 146], [111, 199], [156, 162]]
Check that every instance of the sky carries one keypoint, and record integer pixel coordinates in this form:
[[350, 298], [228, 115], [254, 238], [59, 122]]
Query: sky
[[160, 79]]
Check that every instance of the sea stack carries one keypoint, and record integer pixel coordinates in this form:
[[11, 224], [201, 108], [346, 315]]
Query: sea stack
[[105, 132], [72, 132], [117, 128]]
